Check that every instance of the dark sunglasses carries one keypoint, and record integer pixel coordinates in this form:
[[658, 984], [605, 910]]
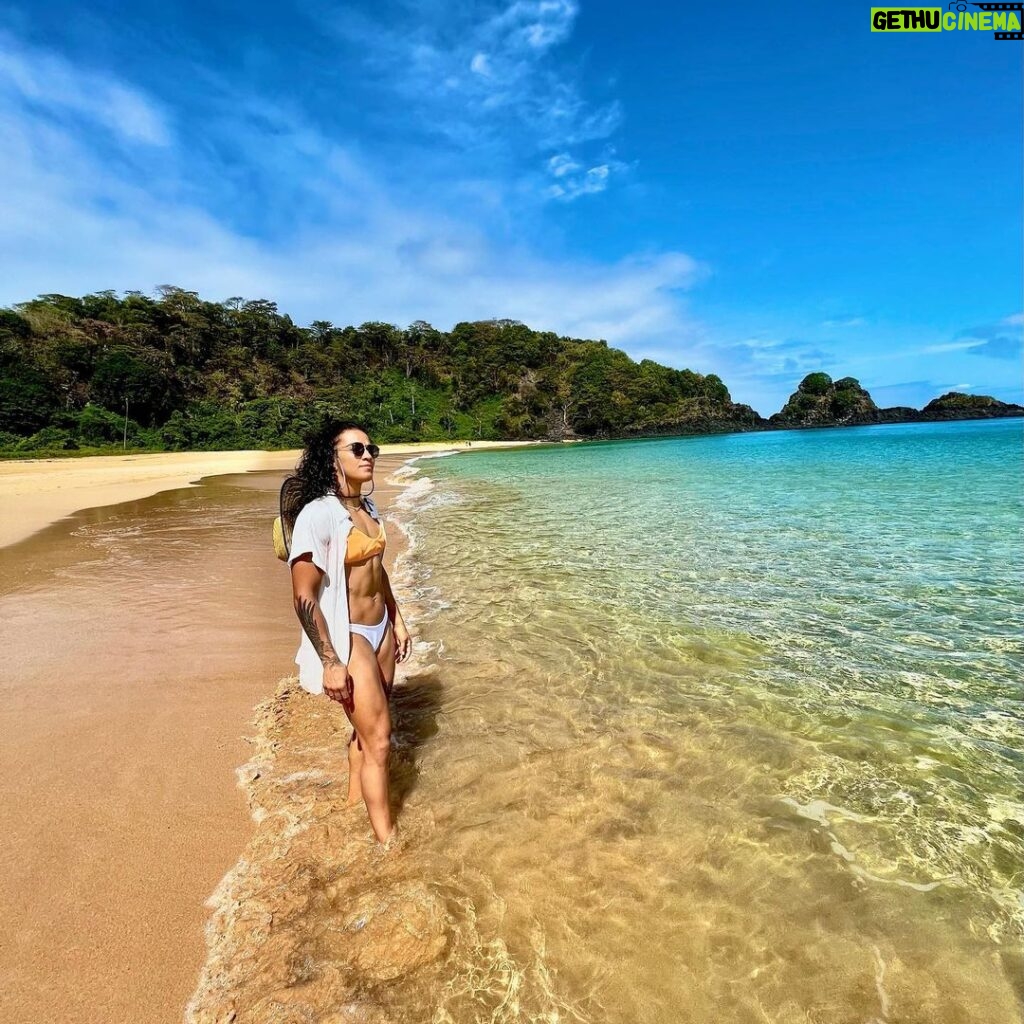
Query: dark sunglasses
[[357, 448]]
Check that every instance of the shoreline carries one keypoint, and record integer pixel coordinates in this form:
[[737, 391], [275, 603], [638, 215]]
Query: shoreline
[[36, 493], [301, 829], [141, 769], [304, 905]]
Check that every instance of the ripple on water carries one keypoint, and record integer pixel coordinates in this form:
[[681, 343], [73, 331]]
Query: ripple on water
[[734, 753]]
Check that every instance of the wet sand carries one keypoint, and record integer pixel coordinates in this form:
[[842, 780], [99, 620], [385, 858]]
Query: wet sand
[[138, 639]]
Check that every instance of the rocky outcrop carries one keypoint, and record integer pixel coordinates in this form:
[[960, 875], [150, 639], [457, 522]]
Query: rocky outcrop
[[821, 402], [705, 418], [955, 405]]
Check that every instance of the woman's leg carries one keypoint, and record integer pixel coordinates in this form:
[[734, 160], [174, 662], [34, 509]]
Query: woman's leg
[[355, 768], [372, 722], [386, 664], [386, 660]]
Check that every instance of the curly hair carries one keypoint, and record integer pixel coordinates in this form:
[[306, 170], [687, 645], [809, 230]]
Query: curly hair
[[314, 475]]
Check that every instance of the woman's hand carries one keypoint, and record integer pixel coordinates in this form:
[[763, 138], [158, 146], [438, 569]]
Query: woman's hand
[[403, 641], [338, 684]]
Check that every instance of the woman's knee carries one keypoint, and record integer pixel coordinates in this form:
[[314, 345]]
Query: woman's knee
[[377, 744]]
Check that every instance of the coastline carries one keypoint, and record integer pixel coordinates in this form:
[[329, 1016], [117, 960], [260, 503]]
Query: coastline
[[123, 810], [310, 864], [35, 493], [119, 774]]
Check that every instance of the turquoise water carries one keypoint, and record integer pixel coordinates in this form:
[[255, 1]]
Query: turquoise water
[[758, 697]]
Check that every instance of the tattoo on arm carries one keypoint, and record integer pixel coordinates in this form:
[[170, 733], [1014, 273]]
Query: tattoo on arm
[[308, 611]]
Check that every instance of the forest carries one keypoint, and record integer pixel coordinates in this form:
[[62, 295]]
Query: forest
[[171, 372]]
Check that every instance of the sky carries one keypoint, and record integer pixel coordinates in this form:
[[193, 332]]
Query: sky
[[754, 190]]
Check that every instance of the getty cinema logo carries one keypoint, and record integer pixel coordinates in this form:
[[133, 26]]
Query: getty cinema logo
[[1002, 19]]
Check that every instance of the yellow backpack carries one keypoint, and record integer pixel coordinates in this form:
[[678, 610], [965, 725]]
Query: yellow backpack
[[284, 523]]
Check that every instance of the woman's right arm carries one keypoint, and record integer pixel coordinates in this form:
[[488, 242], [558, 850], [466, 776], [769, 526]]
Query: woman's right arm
[[306, 579]]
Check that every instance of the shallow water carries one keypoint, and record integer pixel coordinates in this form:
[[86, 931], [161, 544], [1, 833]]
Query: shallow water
[[709, 729]]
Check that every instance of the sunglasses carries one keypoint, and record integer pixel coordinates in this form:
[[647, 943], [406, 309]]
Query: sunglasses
[[357, 448]]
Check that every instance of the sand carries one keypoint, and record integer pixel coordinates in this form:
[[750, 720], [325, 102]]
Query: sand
[[37, 492], [125, 714]]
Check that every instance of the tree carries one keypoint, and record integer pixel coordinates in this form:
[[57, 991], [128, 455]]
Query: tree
[[816, 384], [125, 375]]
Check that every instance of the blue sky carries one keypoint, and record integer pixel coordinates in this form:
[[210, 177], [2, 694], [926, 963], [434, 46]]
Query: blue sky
[[757, 191]]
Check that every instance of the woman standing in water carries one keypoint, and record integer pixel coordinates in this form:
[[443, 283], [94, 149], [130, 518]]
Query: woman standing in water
[[353, 632]]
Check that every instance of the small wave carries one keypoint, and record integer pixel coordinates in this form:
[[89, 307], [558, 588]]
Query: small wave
[[315, 922], [435, 455], [403, 471], [413, 493], [314, 915]]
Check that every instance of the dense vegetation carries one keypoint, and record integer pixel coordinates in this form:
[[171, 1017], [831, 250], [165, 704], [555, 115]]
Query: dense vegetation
[[176, 372], [958, 400], [820, 401]]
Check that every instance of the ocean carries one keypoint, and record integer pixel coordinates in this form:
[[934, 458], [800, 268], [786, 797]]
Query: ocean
[[720, 728]]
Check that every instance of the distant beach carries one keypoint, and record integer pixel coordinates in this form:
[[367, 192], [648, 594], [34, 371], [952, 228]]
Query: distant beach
[[37, 492]]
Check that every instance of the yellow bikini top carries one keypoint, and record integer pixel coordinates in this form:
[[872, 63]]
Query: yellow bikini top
[[360, 547]]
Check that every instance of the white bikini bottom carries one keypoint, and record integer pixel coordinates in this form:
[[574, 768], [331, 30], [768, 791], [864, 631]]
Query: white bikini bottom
[[375, 634]]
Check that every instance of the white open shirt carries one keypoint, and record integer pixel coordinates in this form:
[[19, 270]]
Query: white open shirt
[[321, 531]]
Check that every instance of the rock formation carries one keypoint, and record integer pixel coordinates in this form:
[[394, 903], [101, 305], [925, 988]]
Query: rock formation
[[821, 402]]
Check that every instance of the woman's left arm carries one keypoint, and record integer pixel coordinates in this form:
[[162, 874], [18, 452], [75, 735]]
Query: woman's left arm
[[403, 640]]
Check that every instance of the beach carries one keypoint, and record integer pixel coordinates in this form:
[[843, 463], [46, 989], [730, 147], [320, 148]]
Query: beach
[[37, 492], [765, 768], [134, 658]]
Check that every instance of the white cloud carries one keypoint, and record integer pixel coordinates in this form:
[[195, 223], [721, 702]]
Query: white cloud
[[515, 99], [950, 346], [348, 243], [536, 24], [48, 84], [594, 180], [562, 164], [844, 322]]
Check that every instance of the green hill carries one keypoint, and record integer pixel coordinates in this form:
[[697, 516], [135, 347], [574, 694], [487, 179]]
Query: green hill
[[178, 372]]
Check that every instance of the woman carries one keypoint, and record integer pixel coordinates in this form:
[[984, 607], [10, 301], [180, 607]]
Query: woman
[[353, 632]]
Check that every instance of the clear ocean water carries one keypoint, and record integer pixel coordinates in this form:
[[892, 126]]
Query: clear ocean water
[[731, 727]]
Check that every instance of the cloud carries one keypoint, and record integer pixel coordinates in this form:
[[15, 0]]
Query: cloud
[[1002, 340], [486, 80], [534, 24], [333, 234], [843, 322], [948, 346], [773, 360], [904, 386], [49, 86], [571, 180]]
